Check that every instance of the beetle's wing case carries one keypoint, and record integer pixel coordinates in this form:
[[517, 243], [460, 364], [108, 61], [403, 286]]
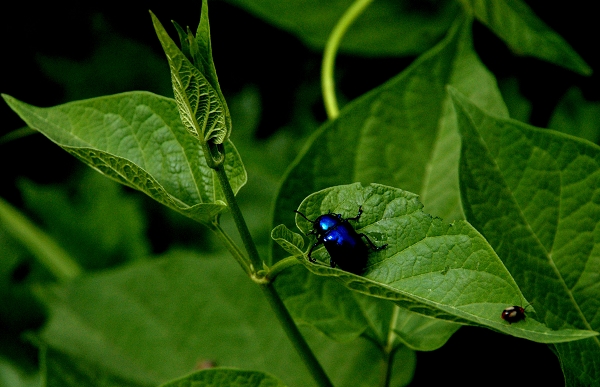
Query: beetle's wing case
[[346, 248]]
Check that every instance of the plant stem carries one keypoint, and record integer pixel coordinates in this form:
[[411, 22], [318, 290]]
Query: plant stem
[[42, 246], [331, 48], [284, 317], [290, 328], [238, 218], [389, 350], [232, 247], [280, 266]]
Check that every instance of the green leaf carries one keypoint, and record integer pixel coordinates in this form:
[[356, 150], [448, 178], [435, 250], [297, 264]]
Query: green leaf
[[386, 28], [138, 140], [534, 194], [92, 217], [329, 307], [224, 377], [204, 59], [344, 316], [401, 134], [155, 321], [62, 370], [515, 23], [433, 268], [201, 105], [422, 333], [518, 105], [288, 240], [576, 116]]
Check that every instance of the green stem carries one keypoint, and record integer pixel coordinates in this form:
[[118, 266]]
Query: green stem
[[389, 350], [331, 48], [284, 317], [281, 266], [42, 246], [232, 247], [295, 336], [238, 218], [277, 305]]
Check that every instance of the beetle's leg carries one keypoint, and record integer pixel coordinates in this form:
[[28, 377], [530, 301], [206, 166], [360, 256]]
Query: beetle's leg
[[373, 246], [357, 217], [310, 258]]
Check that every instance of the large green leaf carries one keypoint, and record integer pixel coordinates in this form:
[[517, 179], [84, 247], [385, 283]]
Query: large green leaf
[[526, 34], [226, 377], [437, 269], [92, 217], [137, 139], [62, 370], [534, 194], [201, 104], [155, 321], [577, 116], [352, 314], [386, 27], [402, 134]]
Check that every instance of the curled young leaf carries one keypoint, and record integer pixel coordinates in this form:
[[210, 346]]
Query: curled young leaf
[[201, 104]]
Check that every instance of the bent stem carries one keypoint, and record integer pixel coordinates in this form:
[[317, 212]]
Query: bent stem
[[331, 48], [40, 244]]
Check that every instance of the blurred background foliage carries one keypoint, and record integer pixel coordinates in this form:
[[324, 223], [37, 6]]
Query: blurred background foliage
[[267, 55]]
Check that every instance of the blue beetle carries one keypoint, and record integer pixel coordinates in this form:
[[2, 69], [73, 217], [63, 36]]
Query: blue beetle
[[344, 245]]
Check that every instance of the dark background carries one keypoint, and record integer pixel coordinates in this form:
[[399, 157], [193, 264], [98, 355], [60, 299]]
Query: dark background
[[249, 51]]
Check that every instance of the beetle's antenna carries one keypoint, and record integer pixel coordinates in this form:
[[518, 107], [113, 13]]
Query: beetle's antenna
[[304, 216]]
